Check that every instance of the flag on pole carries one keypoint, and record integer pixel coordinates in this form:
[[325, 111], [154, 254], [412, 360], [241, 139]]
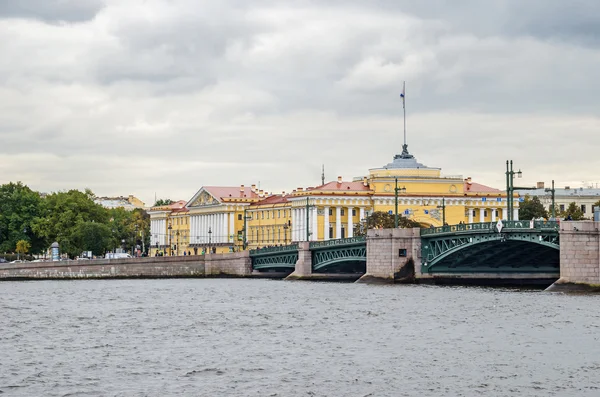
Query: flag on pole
[[402, 94]]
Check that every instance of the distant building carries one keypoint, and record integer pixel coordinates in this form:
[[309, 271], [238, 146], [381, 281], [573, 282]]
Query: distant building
[[231, 218], [584, 198], [128, 203]]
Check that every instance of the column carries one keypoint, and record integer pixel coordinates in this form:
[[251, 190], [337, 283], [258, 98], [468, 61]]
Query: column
[[515, 214], [315, 231], [350, 232], [225, 227], [202, 231], [338, 222], [232, 230], [302, 229], [361, 214], [292, 230], [470, 214], [481, 215], [493, 215], [326, 224]]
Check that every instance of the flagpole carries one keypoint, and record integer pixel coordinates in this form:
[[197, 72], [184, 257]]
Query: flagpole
[[404, 107]]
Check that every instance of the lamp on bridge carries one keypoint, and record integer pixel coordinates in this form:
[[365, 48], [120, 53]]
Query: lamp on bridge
[[396, 191], [443, 207], [170, 235], [510, 188], [552, 191], [285, 229], [209, 236]]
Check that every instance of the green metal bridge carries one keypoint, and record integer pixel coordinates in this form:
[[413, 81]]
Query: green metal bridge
[[506, 247], [492, 247], [348, 255]]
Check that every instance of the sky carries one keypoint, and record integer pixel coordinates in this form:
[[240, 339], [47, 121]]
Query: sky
[[157, 98]]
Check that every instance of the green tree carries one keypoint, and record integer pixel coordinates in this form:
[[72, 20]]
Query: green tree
[[19, 206], [574, 211], [61, 215], [23, 247], [92, 236], [160, 202], [532, 208], [382, 220]]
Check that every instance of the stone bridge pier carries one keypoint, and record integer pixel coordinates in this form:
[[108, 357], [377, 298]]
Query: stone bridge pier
[[393, 255], [579, 257]]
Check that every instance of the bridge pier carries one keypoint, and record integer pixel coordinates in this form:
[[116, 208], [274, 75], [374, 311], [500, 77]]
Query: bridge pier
[[393, 256], [579, 257], [303, 269]]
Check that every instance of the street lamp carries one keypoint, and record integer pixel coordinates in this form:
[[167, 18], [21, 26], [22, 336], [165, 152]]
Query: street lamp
[[209, 237], [285, 228], [443, 207], [552, 191], [396, 190], [177, 248], [170, 235], [510, 188]]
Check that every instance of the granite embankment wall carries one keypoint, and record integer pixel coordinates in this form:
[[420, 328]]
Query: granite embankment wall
[[232, 264], [579, 257]]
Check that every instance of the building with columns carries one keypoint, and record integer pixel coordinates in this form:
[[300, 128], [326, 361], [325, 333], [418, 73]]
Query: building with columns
[[221, 219], [169, 229]]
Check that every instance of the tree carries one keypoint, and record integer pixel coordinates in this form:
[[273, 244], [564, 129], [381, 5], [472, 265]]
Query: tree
[[19, 206], [532, 208], [382, 220], [23, 247], [160, 202], [574, 211], [92, 236], [61, 215]]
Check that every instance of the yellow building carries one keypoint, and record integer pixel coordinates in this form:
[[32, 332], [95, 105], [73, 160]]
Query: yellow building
[[169, 229], [220, 219]]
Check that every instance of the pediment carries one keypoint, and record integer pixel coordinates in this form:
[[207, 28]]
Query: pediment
[[202, 199]]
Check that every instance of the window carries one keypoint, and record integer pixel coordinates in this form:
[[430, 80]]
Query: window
[[239, 217], [562, 207], [485, 213], [343, 233], [331, 232], [353, 212], [342, 212], [474, 214], [330, 211], [583, 208], [268, 212], [279, 214], [262, 214]]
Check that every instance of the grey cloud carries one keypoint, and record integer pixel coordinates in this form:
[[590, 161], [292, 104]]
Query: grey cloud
[[51, 10]]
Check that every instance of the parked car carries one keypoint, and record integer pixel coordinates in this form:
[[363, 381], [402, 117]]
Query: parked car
[[118, 255]]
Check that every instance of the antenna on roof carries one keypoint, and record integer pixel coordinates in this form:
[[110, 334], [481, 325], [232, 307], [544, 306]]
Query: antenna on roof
[[323, 175]]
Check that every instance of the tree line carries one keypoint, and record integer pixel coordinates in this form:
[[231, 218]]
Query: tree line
[[532, 208], [30, 222]]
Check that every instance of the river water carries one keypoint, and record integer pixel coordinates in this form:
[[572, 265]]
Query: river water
[[234, 337]]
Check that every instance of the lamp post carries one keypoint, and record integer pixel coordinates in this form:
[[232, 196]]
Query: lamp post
[[443, 207], [209, 237], [510, 174], [244, 233], [170, 235], [552, 191], [396, 190], [177, 246], [285, 228]]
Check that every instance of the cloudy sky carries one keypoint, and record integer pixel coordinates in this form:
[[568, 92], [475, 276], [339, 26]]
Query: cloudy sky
[[160, 97]]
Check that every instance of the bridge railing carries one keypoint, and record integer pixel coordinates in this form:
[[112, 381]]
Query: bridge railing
[[270, 250], [491, 226], [337, 242]]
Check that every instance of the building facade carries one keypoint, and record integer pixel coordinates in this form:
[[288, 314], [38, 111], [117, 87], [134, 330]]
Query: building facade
[[224, 219]]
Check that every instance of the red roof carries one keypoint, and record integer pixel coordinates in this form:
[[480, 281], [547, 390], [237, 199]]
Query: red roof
[[342, 186], [226, 192], [178, 206], [274, 199], [479, 188]]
